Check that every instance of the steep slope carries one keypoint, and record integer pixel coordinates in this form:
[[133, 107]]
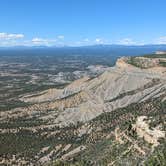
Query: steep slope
[[87, 98], [64, 123]]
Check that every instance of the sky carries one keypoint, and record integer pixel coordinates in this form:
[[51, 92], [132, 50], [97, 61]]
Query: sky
[[82, 22]]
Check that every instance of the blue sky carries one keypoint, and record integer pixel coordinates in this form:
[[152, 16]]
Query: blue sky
[[82, 22]]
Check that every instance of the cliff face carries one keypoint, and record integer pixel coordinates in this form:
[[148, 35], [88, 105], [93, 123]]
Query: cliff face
[[83, 101], [86, 98]]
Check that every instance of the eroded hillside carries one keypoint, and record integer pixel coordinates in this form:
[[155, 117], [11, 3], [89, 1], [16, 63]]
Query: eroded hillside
[[116, 118]]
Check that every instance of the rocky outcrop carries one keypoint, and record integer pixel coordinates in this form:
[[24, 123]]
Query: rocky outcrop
[[88, 114], [143, 130], [84, 99]]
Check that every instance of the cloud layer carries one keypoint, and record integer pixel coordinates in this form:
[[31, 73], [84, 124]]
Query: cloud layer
[[9, 36], [61, 37], [15, 39], [126, 41], [161, 40]]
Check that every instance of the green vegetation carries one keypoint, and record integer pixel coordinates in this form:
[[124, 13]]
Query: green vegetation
[[155, 56], [28, 135], [145, 63], [135, 62], [158, 157], [163, 63], [102, 150]]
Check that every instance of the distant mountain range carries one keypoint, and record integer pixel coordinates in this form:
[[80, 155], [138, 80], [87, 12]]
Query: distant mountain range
[[96, 49]]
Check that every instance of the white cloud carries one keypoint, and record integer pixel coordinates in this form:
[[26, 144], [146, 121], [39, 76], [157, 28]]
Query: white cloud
[[38, 40], [126, 41], [10, 36], [99, 41], [161, 40], [41, 41], [61, 37]]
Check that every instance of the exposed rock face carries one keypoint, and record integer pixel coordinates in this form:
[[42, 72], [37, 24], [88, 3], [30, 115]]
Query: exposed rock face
[[150, 135], [53, 94], [76, 117], [84, 99], [73, 152], [160, 52]]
